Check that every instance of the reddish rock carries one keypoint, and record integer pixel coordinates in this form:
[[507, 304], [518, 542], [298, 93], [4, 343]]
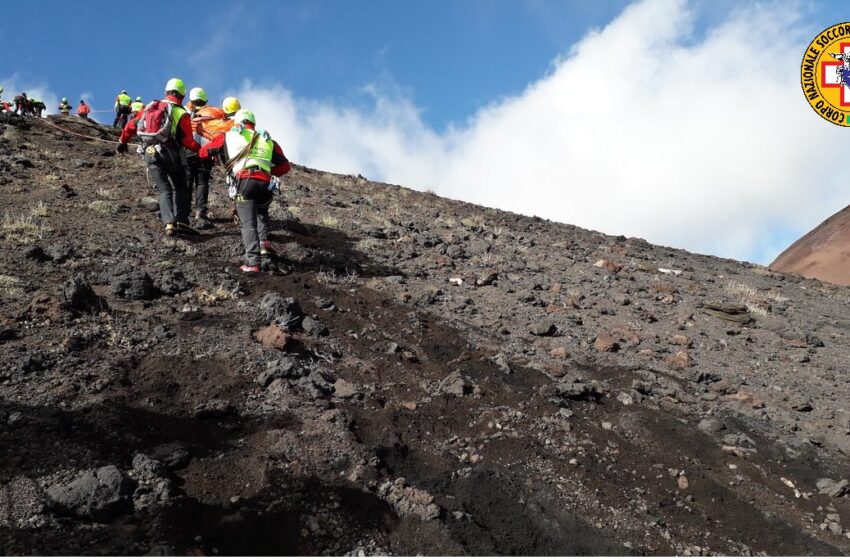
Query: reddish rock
[[555, 288], [605, 343], [679, 360], [487, 278], [559, 353], [680, 340], [610, 266], [273, 337]]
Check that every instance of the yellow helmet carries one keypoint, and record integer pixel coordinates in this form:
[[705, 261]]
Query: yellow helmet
[[230, 105], [176, 84], [197, 94]]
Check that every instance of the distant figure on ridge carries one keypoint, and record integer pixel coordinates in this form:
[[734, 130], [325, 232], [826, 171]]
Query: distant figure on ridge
[[65, 107], [83, 110], [37, 106], [21, 103]]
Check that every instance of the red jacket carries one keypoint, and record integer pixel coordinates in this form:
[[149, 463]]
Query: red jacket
[[83, 109], [217, 147], [184, 128]]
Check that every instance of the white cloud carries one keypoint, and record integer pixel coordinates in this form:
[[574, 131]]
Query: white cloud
[[642, 129]]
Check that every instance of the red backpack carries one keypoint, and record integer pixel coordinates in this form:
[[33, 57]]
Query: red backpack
[[155, 125]]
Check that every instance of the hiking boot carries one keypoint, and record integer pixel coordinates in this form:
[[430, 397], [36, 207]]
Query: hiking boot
[[170, 230], [249, 269], [186, 228], [266, 248], [202, 215]]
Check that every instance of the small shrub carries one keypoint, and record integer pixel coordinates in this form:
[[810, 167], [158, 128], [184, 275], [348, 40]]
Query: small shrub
[[40, 210], [330, 221], [10, 286], [103, 207], [215, 295], [22, 229]]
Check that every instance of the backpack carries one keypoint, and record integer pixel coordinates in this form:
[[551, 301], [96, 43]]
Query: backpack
[[155, 125], [209, 122]]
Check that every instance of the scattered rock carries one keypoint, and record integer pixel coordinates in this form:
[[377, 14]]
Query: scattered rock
[[285, 311], [172, 455], [173, 282], [100, 494], [605, 343], [21, 500], [408, 501], [679, 360], [78, 295], [36, 253], [313, 327], [285, 368], [610, 266], [132, 284], [711, 425], [456, 385], [324, 303], [149, 203], [344, 389], [544, 328], [572, 387], [732, 312], [214, 408], [832, 488]]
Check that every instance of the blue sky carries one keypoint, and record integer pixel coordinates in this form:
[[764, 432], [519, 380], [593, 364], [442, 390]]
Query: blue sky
[[445, 94], [450, 56]]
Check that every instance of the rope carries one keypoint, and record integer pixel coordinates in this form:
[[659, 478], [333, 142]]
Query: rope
[[65, 130]]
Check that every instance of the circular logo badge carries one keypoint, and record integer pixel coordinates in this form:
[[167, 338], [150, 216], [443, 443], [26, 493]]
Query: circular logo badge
[[825, 74]]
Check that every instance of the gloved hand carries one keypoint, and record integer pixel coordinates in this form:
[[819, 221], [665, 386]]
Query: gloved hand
[[121, 149], [234, 215]]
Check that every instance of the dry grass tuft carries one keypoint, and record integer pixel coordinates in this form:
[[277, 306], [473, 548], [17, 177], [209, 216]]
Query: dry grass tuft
[[103, 207], [22, 229], [747, 295], [215, 295], [40, 210], [330, 221], [10, 286]]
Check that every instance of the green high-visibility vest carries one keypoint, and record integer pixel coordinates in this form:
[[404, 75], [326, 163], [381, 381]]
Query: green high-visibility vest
[[137, 106], [259, 156], [124, 99], [177, 112]]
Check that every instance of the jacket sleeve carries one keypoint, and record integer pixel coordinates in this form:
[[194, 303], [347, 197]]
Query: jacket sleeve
[[187, 140], [215, 149], [130, 129], [280, 165]]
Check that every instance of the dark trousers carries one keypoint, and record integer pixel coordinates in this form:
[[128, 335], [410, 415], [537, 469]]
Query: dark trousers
[[123, 111], [167, 172], [252, 204], [198, 173]]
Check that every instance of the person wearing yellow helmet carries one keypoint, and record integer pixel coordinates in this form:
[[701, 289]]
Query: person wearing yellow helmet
[[198, 171], [230, 106], [252, 159], [164, 127]]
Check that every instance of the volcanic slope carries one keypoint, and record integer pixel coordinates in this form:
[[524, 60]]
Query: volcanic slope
[[412, 375], [823, 253]]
